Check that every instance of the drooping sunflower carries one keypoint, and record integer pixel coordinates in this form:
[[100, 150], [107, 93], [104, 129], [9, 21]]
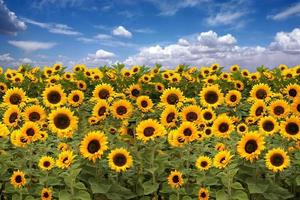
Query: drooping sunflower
[[208, 115], [295, 107], [211, 96], [233, 97], [103, 91], [290, 128], [144, 103], [277, 159], [63, 122], [239, 85], [149, 129], [134, 91], [93, 145], [31, 130], [268, 125], [12, 116], [46, 163], [260, 91], [220, 146], [121, 109], [18, 138], [292, 91], [34, 113], [250, 146], [175, 139], [203, 194], [188, 131], [242, 128], [65, 159], [222, 126], [3, 87], [172, 96], [175, 179], [191, 113], [120, 160], [203, 163], [169, 116], [46, 194], [257, 109], [76, 98], [81, 85], [63, 146], [279, 108], [14, 96], [222, 159], [54, 96], [18, 179], [101, 109]]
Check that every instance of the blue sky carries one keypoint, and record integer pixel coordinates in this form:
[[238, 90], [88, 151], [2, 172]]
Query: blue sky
[[170, 32]]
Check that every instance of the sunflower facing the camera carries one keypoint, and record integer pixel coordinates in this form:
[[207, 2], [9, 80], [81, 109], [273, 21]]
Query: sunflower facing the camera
[[120, 160]]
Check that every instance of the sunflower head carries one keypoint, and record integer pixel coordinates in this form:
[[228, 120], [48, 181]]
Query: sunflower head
[[46, 163], [222, 126], [222, 159], [14, 96], [149, 129], [18, 179], [121, 109], [172, 96], [290, 128], [211, 96], [46, 194], [144, 103], [203, 194], [175, 179], [203, 163], [277, 160], [54, 96], [260, 91], [65, 159], [169, 116], [120, 160]]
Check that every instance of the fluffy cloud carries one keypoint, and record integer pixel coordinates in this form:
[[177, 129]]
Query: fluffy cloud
[[291, 11], [9, 22], [122, 32], [101, 57], [30, 46], [209, 47]]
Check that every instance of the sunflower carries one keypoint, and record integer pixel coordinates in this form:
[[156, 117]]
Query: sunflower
[[54, 96], [233, 97], [169, 116], [135, 69], [239, 85], [245, 73], [234, 68], [222, 126], [188, 131], [134, 91], [4, 132], [31, 130], [222, 159], [203, 163], [101, 109], [191, 113], [220, 146], [93, 145], [81, 85], [46, 194], [144, 103], [14, 96], [18, 179], [63, 146], [242, 128], [75, 98], [63, 122], [295, 107], [250, 146], [208, 115], [119, 160], [203, 194], [279, 108], [11, 116], [277, 159], [19, 139], [159, 87], [3, 87], [215, 67], [175, 179], [172, 96], [175, 139], [268, 125], [149, 129], [292, 91], [208, 132], [257, 109], [65, 159], [121, 109], [290, 128], [260, 91], [46, 163], [34, 113], [103, 91], [211, 96]]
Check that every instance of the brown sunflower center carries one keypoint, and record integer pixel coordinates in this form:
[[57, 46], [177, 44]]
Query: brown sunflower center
[[211, 97], [62, 121], [187, 132], [93, 146], [251, 146], [191, 116], [277, 159], [65, 160], [242, 128], [30, 132], [293, 92], [149, 131], [75, 98], [18, 179], [204, 163], [135, 92], [101, 111], [46, 164], [13, 117], [222, 160], [34, 116], [121, 110], [46, 195], [170, 117], [259, 111], [120, 159], [2, 87], [15, 99], [223, 127], [172, 99], [278, 110], [203, 195], [292, 128], [298, 107], [144, 104], [207, 131], [268, 125], [207, 116], [175, 179], [54, 97], [233, 98], [103, 94], [261, 94]]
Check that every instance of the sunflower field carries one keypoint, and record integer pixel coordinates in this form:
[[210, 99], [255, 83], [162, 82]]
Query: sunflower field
[[114, 133]]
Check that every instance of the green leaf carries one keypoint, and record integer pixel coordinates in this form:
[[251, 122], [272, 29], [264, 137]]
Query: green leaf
[[82, 195], [173, 197], [79, 186], [186, 198], [256, 187], [29, 198], [240, 195], [149, 187], [298, 180], [99, 188], [222, 195], [64, 195], [237, 186]]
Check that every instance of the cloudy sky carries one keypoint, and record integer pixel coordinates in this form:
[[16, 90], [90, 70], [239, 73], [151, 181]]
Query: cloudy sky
[[169, 32]]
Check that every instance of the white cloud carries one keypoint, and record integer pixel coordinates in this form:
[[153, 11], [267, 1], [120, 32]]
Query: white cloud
[[122, 32], [209, 47], [54, 27], [9, 22], [225, 18], [4, 58], [291, 11], [30, 46], [103, 36], [101, 57], [102, 54], [26, 61]]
